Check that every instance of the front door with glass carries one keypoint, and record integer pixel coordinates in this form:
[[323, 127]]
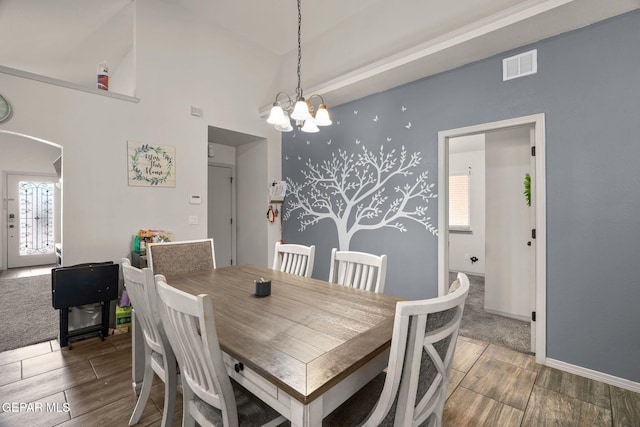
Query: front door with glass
[[31, 220]]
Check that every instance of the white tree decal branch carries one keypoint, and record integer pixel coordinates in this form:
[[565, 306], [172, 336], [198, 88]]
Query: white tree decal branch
[[352, 192]]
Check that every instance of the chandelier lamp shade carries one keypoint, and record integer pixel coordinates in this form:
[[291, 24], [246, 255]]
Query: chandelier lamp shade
[[306, 116]]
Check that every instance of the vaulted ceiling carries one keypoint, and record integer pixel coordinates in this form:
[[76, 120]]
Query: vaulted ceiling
[[350, 48]]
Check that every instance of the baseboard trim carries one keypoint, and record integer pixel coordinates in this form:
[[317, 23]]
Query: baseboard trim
[[468, 273], [594, 375], [509, 315]]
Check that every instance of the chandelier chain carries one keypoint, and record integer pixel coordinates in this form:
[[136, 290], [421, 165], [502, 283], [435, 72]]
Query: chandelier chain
[[299, 88]]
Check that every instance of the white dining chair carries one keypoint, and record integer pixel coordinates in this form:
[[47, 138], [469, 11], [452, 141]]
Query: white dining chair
[[187, 256], [294, 259], [158, 355], [358, 270], [210, 397], [414, 390]]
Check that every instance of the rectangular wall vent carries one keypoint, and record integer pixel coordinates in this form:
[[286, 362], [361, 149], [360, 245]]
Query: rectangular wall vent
[[520, 65]]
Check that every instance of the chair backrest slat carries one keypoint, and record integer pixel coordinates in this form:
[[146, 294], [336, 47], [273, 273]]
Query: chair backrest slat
[[358, 270], [294, 259], [188, 256], [299, 265], [370, 276]]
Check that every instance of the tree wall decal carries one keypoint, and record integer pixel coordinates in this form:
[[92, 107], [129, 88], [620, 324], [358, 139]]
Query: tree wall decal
[[364, 192]]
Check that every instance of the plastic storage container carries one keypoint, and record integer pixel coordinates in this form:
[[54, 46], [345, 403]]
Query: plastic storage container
[[103, 76]]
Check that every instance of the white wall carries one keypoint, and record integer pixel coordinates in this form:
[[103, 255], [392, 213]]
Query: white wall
[[180, 62], [464, 153], [251, 211], [508, 286], [224, 154], [24, 156], [123, 79]]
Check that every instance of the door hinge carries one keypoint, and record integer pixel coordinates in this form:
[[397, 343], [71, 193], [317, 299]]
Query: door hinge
[[231, 179], [533, 316], [533, 233], [231, 261], [231, 220], [533, 151]]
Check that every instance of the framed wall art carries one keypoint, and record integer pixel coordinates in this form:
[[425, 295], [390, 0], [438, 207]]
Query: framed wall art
[[151, 165]]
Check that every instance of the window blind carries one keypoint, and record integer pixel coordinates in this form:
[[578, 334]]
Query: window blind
[[459, 201]]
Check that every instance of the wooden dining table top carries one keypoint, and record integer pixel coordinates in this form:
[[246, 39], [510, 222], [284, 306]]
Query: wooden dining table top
[[305, 337]]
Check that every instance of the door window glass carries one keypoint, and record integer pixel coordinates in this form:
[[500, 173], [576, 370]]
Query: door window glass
[[36, 218]]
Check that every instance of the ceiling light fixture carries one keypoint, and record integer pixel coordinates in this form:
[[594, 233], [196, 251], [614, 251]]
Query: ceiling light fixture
[[307, 117]]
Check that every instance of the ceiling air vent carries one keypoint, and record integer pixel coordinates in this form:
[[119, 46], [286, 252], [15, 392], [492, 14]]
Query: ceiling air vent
[[520, 65]]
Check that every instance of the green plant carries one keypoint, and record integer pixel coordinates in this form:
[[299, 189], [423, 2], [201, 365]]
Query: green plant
[[527, 188]]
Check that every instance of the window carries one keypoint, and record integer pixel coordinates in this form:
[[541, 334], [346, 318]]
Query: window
[[36, 218], [459, 201]]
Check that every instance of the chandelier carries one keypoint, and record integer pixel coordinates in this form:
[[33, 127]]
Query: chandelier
[[306, 116]]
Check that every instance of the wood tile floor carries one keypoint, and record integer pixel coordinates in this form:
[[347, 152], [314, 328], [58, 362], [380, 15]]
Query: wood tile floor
[[90, 385]]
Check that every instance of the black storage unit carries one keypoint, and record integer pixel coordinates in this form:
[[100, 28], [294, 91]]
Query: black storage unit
[[80, 285]]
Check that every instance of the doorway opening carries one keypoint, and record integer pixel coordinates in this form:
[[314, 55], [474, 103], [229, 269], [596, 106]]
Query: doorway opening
[[237, 173], [31, 177], [512, 230]]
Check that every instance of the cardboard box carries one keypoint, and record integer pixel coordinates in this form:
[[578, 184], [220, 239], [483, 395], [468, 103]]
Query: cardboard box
[[123, 317]]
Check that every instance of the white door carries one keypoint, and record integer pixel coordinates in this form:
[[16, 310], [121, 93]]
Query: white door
[[220, 220], [31, 220]]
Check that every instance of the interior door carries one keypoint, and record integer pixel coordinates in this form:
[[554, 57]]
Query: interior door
[[219, 221], [31, 220]]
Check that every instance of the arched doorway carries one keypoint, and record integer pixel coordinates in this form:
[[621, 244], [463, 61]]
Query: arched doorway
[[31, 221]]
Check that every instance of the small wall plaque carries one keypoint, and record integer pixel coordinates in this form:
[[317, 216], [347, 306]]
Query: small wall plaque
[[151, 165]]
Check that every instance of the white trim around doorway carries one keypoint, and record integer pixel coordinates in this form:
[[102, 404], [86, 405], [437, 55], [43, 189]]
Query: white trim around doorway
[[537, 121]]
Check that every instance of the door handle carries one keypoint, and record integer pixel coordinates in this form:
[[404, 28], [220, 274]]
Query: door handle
[[529, 243], [11, 226]]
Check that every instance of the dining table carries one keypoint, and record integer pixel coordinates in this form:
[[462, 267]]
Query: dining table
[[304, 349]]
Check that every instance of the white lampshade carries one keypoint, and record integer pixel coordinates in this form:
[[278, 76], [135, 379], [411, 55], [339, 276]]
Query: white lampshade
[[301, 111], [310, 126], [286, 125], [276, 116], [322, 116]]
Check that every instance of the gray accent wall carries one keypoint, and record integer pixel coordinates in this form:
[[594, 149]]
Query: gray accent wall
[[588, 86]]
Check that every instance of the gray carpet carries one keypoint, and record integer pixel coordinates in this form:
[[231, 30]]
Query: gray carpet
[[26, 314], [477, 323]]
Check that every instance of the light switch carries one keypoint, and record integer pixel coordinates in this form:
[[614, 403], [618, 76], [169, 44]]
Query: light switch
[[193, 219], [195, 200]]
